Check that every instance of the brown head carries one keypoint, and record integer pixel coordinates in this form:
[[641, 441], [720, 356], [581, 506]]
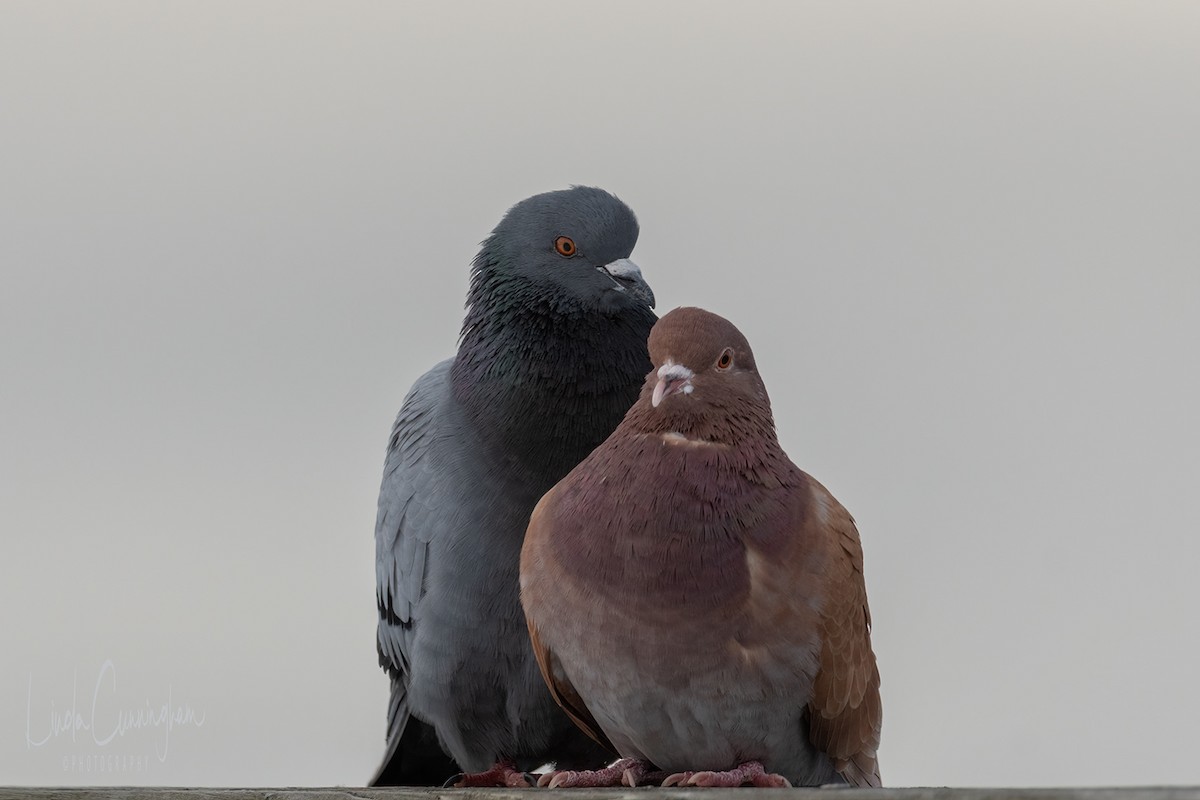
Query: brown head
[[704, 383]]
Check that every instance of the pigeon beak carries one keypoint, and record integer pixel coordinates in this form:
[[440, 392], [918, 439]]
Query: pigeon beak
[[672, 379], [628, 278]]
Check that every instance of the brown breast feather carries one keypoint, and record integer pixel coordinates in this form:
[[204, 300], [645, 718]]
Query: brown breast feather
[[560, 686], [844, 713]]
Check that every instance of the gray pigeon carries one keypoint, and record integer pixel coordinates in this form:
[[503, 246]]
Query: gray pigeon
[[552, 354]]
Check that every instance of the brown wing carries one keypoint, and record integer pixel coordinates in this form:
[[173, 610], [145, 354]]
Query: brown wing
[[845, 714], [564, 693], [553, 673]]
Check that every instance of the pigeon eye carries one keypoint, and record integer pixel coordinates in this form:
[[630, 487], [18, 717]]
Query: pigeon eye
[[726, 359], [565, 246]]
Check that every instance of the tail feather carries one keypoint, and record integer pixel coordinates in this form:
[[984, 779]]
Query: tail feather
[[414, 757]]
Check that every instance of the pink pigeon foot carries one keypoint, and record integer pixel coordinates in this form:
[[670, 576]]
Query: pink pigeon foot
[[627, 772], [504, 773], [751, 772]]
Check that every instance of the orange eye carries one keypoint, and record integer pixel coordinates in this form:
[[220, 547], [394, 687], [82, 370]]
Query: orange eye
[[726, 359], [565, 246]]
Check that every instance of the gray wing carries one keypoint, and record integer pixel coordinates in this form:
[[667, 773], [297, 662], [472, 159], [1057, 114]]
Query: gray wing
[[402, 536]]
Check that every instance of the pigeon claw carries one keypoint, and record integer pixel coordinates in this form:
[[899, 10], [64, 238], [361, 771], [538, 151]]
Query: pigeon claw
[[616, 774], [750, 772], [504, 773], [563, 779], [677, 779]]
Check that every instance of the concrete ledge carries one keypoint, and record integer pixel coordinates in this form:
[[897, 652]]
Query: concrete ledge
[[648, 793]]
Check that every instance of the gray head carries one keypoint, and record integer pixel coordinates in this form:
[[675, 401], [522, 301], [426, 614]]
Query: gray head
[[570, 245]]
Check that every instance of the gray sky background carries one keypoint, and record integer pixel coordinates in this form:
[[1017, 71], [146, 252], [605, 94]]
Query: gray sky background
[[963, 239]]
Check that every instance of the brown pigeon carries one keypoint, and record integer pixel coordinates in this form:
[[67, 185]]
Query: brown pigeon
[[695, 601]]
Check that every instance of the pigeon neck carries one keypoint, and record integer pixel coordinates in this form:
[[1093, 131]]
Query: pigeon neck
[[744, 440], [544, 387]]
